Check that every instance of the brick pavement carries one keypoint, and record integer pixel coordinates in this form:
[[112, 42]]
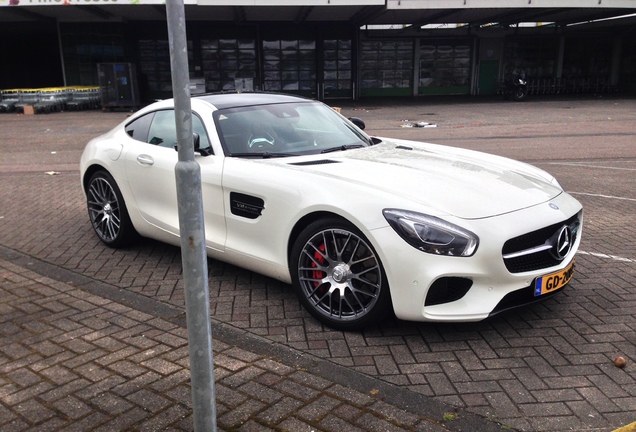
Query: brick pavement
[[73, 359], [547, 367]]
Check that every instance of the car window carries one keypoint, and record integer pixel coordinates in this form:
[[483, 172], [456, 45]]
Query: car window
[[159, 128], [285, 129], [138, 128], [163, 130]]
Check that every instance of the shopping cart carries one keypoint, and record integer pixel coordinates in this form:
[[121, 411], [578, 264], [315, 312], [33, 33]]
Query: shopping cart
[[27, 97], [83, 98], [52, 99], [9, 99]]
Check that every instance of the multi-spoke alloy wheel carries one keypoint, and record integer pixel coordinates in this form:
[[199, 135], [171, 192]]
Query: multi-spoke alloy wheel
[[107, 211], [338, 276]]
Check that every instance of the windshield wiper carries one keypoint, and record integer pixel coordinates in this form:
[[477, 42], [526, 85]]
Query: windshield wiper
[[263, 155], [343, 148]]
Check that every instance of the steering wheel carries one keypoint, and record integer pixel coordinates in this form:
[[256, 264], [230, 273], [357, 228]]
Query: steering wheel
[[261, 140]]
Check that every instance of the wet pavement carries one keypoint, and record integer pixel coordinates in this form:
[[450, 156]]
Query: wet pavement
[[94, 339]]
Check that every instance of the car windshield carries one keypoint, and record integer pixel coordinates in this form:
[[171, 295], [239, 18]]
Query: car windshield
[[287, 129]]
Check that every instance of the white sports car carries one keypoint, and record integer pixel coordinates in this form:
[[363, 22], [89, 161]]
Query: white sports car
[[359, 226]]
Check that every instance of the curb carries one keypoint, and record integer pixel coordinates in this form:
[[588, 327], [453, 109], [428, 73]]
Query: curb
[[414, 403]]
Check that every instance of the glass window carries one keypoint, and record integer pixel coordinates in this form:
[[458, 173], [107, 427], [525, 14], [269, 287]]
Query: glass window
[[138, 129], [337, 66], [285, 130], [154, 63], [387, 64], [225, 60], [159, 128], [86, 45], [285, 62], [536, 57], [444, 63], [163, 130]]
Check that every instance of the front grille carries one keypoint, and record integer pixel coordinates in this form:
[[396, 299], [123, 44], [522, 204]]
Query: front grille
[[541, 258]]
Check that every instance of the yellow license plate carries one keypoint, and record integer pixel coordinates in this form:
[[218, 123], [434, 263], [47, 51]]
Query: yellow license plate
[[554, 281]]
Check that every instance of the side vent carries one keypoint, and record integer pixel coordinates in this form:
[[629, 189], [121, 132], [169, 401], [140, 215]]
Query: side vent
[[315, 162], [246, 206]]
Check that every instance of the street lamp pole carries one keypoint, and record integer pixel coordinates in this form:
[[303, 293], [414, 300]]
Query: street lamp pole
[[192, 231]]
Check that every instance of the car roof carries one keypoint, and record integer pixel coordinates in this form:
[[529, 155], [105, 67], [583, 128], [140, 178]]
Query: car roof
[[235, 100]]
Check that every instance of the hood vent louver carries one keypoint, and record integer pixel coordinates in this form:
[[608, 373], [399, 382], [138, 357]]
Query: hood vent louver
[[315, 162]]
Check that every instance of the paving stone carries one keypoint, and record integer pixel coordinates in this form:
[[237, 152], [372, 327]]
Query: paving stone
[[240, 414], [23, 377], [135, 416], [298, 391], [21, 396], [337, 424], [33, 411], [349, 395], [148, 401], [394, 414], [262, 393], [161, 366], [294, 424], [72, 407], [320, 408], [279, 411], [62, 391]]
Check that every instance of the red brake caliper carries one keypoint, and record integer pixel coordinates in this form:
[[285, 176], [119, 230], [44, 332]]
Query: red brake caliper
[[318, 274]]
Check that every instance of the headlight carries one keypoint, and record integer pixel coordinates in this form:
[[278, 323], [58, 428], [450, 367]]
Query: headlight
[[432, 235]]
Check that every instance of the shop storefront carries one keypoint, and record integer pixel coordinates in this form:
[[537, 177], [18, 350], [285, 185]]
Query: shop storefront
[[314, 61], [321, 60]]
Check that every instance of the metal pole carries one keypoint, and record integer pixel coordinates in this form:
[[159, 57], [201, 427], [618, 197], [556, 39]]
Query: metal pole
[[61, 47], [194, 258]]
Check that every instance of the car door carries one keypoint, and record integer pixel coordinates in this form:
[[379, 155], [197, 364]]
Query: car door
[[150, 162]]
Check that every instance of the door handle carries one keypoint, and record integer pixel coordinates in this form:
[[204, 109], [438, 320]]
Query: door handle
[[145, 159]]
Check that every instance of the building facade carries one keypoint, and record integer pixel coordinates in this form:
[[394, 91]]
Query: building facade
[[326, 49]]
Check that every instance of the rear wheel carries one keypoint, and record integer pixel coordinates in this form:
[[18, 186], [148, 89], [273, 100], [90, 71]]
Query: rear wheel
[[107, 211], [520, 94], [338, 277]]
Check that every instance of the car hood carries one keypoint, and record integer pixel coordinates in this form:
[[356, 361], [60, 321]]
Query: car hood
[[458, 182]]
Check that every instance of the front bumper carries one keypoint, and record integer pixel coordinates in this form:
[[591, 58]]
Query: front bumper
[[491, 287]]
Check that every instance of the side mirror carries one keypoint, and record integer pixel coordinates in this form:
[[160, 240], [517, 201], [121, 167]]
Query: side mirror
[[358, 122], [195, 137], [197, 145]]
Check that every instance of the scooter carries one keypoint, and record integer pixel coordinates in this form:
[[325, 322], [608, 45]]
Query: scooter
[[516, 88]]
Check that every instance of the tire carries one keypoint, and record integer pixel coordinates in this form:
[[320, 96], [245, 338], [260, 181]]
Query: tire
[[338, 276], [520, 94], [107, 211]]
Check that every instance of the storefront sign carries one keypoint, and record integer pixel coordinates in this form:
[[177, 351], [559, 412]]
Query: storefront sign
[[195, 2], [85, 2]]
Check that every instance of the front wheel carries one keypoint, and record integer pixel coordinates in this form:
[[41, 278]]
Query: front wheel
[[107, 211], [338, 277]]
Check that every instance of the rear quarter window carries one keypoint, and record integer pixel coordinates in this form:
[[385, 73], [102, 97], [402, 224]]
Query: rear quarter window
[[138, 128]]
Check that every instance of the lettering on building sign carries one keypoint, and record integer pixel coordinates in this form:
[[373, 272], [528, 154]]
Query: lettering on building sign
[[83, 2]]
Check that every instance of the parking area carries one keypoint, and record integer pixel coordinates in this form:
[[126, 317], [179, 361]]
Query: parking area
[[548, 367]]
